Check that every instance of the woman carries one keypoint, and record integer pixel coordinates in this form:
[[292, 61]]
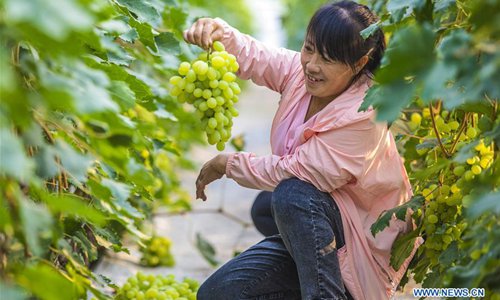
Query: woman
[[333, 170]]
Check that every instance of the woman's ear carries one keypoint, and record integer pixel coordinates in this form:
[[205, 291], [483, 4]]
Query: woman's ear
[[360, 64]]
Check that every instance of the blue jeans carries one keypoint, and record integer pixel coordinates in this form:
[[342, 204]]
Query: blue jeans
[[298, 263]]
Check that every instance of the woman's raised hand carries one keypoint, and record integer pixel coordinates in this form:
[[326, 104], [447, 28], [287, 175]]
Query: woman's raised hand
[[204, 32]]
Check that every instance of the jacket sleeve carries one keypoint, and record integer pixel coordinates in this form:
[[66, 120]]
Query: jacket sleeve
[[264, 65], [328, 160]]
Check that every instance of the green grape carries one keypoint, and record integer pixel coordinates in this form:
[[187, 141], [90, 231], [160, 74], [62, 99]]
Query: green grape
[[184, 68], [191, 76], [200, 67], [471, 132], [454, 125], [476, 169], [432, 219], [229, 77], [476, 254], [218, 46], [416, 118], [459, 170], [218, 62]]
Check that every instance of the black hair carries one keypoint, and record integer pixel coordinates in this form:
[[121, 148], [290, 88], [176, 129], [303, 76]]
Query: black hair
[[335, 30]]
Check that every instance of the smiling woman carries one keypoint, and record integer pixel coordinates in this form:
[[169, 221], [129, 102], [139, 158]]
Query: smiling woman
[[323, 183]]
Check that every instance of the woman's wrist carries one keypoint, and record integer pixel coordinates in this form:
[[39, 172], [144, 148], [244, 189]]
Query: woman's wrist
[[222, 162]]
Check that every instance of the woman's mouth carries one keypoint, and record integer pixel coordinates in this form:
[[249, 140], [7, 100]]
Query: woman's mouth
[[312, 80]]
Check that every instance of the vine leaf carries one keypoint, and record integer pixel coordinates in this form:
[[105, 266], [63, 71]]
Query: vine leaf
[[144, 11], [402, 248], [400, 213], [206, 249], [37, 223], [73, 162], [65, 16], [13, 159], [72, 205], [485, 204], [121, 193], [47, 283]]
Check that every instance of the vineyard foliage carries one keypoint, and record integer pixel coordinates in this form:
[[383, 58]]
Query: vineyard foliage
[[90, 139], [439, 88]]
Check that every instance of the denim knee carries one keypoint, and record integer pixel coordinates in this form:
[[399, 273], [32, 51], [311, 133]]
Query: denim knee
[[208, 290]]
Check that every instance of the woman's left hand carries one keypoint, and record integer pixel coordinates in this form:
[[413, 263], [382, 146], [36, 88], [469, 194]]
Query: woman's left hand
[[211, 171]]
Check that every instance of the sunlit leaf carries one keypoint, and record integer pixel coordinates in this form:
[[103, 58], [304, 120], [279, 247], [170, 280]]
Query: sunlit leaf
[[72, 205], [55, 18], [47, 283], [144, 11]]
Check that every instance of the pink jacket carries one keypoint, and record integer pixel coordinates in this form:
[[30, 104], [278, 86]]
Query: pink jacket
[[339, 150]]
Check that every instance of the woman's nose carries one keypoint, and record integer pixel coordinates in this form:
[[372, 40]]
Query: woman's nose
[[313, 64]]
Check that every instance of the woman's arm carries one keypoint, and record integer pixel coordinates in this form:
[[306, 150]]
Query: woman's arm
[[268, 66], [328, 160]]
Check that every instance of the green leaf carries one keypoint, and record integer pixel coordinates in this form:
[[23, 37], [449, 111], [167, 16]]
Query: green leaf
[[122, 94], [13, 159], [389, 99], [415, 42], [395, 5], [115, 26], [74, 163], [206, 249], [143, 11], [167, 43], [402, 248], [431, 171], [368, 31], [435, 81], [8, 80], [46, 166], [72, 205], [37, 225], [487, 203], [450, 255], [54, 18], [146, 34], [46, 283], [400, 212], [121, 193]]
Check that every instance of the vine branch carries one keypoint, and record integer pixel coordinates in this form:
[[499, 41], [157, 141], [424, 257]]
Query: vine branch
[[433, 118]]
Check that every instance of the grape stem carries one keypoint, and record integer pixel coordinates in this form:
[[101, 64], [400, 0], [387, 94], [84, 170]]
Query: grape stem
[[431, 108], [462, 128]]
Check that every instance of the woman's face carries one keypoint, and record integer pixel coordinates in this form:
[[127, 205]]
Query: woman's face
[[325, 79]]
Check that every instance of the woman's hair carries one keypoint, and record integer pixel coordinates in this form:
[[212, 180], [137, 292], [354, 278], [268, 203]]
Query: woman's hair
[[335, 32]]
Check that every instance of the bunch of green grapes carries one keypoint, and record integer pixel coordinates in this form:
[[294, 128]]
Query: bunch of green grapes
[[157, 287], [208, 83], [441, 221], [156, 252], [445, 197]]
